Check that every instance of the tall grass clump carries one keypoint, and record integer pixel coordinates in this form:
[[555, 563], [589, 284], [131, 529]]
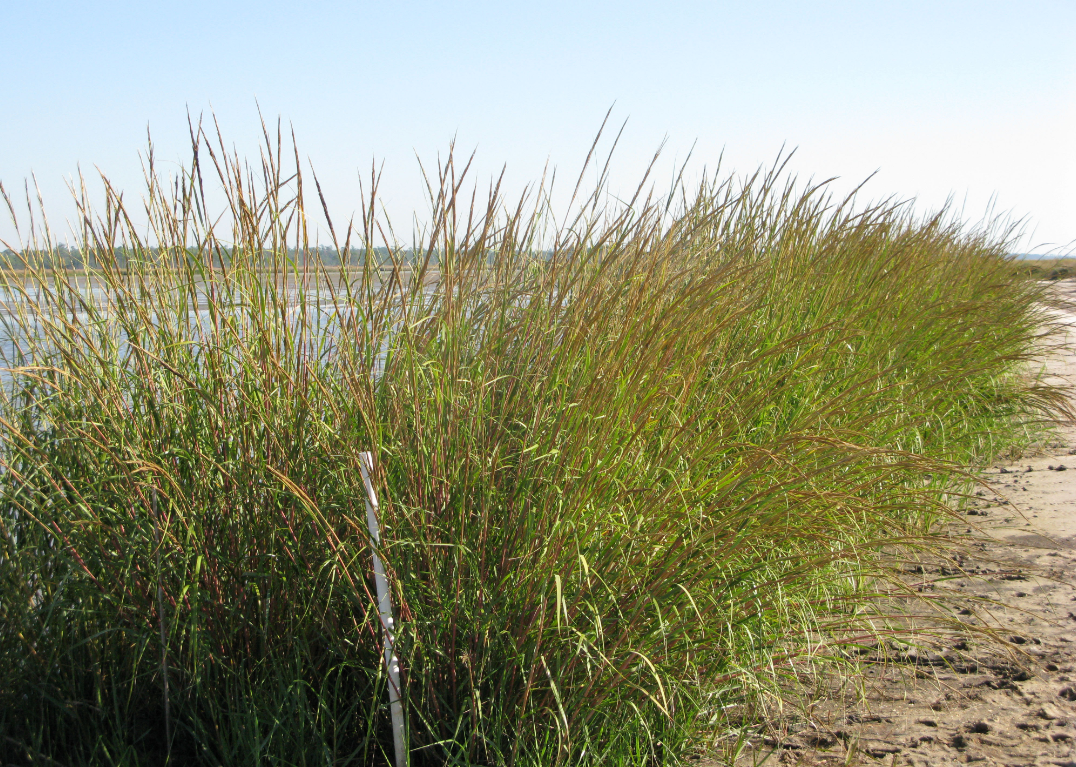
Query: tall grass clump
[[632, 469]]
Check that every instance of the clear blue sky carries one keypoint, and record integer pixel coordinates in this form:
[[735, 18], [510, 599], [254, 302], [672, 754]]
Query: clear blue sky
[[963, 99]]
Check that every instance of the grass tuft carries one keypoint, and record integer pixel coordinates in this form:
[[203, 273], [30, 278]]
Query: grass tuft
[[634, 471]]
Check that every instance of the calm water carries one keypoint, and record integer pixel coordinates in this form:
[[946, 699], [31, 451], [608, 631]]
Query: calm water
[[324, 306]]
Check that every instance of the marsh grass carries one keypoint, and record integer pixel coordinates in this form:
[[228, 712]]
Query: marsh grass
[[633, 469]]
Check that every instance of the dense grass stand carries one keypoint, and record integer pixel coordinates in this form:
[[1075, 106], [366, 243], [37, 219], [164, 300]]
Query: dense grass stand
[[384, 605], [649, 475]]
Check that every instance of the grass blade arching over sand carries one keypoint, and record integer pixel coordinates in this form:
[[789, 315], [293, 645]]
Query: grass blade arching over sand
[[630, 471]]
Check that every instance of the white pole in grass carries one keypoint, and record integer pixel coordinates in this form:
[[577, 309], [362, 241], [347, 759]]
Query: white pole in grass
[[384, 607]]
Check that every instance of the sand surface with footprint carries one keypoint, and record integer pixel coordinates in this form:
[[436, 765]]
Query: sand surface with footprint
[[973, 700]]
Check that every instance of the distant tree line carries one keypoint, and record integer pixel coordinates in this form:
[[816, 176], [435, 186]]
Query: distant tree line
[[74, 258]]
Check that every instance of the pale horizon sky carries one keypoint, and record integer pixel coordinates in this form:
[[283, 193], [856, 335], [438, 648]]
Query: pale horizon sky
[[973, 101]]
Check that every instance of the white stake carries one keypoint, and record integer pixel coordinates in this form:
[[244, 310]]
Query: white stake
[[384, 607]]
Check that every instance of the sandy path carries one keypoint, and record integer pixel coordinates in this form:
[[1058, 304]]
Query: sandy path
[[975, 700]]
